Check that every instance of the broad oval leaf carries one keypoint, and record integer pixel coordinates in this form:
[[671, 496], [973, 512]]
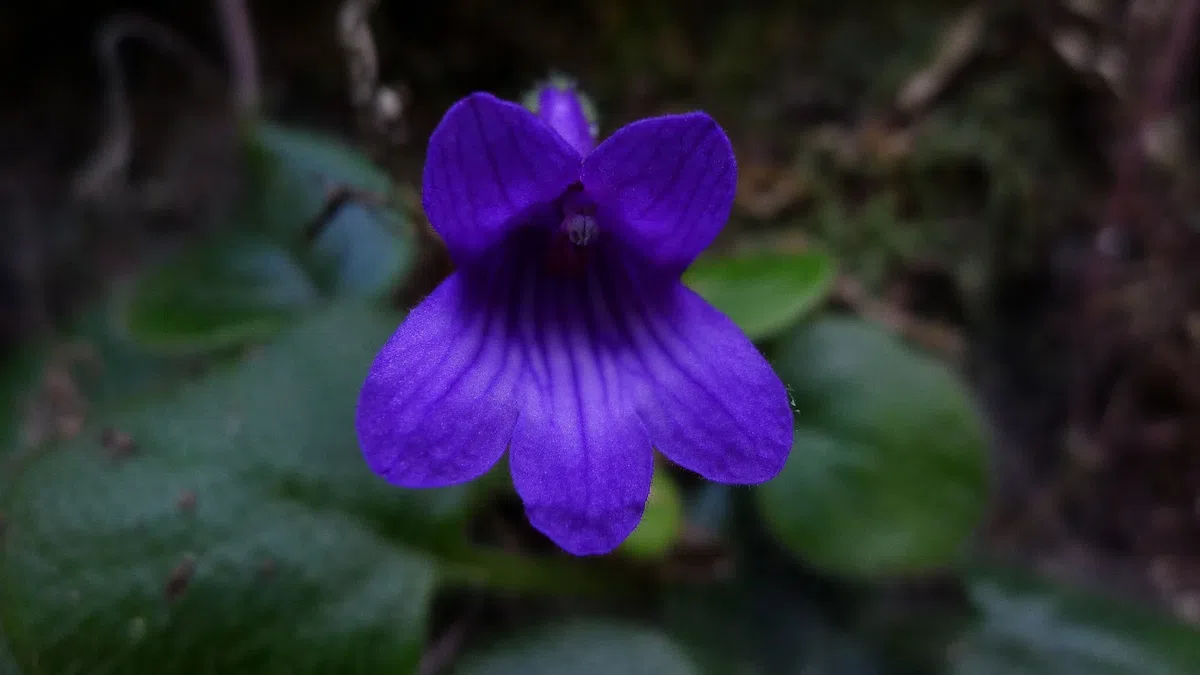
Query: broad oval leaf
[[292, 246], [763, 293], [365, 247], [320, 156], [229, 527], [1033, 628], [7, 665], [584, 648], [358, 253], [887, 474], [227, 292]]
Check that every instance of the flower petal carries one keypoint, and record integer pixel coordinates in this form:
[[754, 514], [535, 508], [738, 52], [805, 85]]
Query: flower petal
[[666, 183], [707, 396], [581, 460], [562, 109], [438, 404], [489, 161]]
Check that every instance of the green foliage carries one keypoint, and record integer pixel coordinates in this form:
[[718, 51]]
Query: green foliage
[[763, 293], [765, 620], [584, 648], [661, 522], [1031, 628], [8, 666], [227, 292], [887, 474], [283, 254], [17, 378], [242, 532]]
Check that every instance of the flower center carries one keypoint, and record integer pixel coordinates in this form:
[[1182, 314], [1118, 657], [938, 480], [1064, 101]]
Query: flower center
[[580, 227]]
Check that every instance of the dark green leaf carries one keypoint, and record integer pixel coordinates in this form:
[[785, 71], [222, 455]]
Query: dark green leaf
[[359, 253], [230, 291], [292, 246], [766, 292], [365, 247], [584, 649], [319, 156], [1035, 629], [18, 378], [769, 618], [887, 474], [242, 533], [7, 665]]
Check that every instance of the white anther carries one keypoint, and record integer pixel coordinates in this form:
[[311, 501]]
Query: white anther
[[581, 229]]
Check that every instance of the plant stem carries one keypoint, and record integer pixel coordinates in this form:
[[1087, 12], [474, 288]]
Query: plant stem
[[501, 571]]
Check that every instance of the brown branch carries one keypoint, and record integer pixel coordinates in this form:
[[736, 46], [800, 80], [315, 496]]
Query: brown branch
[[1159, 92], [243, 61]]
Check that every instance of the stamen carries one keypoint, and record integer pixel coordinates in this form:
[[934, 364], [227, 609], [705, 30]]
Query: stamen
[[580, 228]]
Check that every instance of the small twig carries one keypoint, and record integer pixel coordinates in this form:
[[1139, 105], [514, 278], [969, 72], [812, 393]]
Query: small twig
[[380, 106], [942, 341], [958, 45], [243, 60], [114, 154], [1159, 92], [354, 34], [441, 654]]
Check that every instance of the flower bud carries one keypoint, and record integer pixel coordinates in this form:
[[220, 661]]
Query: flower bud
[[566, 110]]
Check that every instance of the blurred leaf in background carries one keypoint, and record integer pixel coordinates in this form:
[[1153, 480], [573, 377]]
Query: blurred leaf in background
[[238, 529], [1029, 627], [763, 293], [763, 615], [18, 377], [662, 522], [583, 648], [888, 472], [317, 223]]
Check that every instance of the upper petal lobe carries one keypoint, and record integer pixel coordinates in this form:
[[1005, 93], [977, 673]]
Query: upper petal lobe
[[489, 161], [667, 184]]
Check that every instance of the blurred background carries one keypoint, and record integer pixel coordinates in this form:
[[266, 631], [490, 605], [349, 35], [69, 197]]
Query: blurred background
[[965, 234]]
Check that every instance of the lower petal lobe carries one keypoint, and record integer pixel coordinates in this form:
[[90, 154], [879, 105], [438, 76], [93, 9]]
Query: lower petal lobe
[[439, 404], [708, 398], [581, 459]]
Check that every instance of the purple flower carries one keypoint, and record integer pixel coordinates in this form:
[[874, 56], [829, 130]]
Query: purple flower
[[565, 334]]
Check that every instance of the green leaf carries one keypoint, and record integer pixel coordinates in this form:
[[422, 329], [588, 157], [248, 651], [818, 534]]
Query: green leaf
[[365, 247], [358, 254], [18, 378], [230, 291], [661, 522], [768, 617], [887, 474], [242, 533], [1036, 629], [279, 259], [583, 649], [7, 665], [320, 156], [763, 293]]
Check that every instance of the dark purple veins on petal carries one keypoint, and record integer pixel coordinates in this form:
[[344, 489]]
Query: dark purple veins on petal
[[565, 335]]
